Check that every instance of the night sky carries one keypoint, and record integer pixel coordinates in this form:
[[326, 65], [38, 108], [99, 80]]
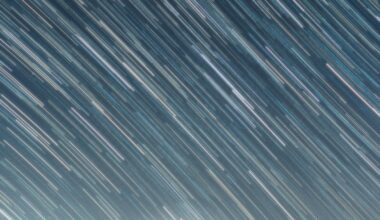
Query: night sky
[[190, 109]]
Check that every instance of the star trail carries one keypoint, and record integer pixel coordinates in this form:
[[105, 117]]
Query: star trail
[[189, 109]]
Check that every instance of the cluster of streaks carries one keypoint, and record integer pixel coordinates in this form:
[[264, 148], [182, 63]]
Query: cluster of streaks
[[189, 109]]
